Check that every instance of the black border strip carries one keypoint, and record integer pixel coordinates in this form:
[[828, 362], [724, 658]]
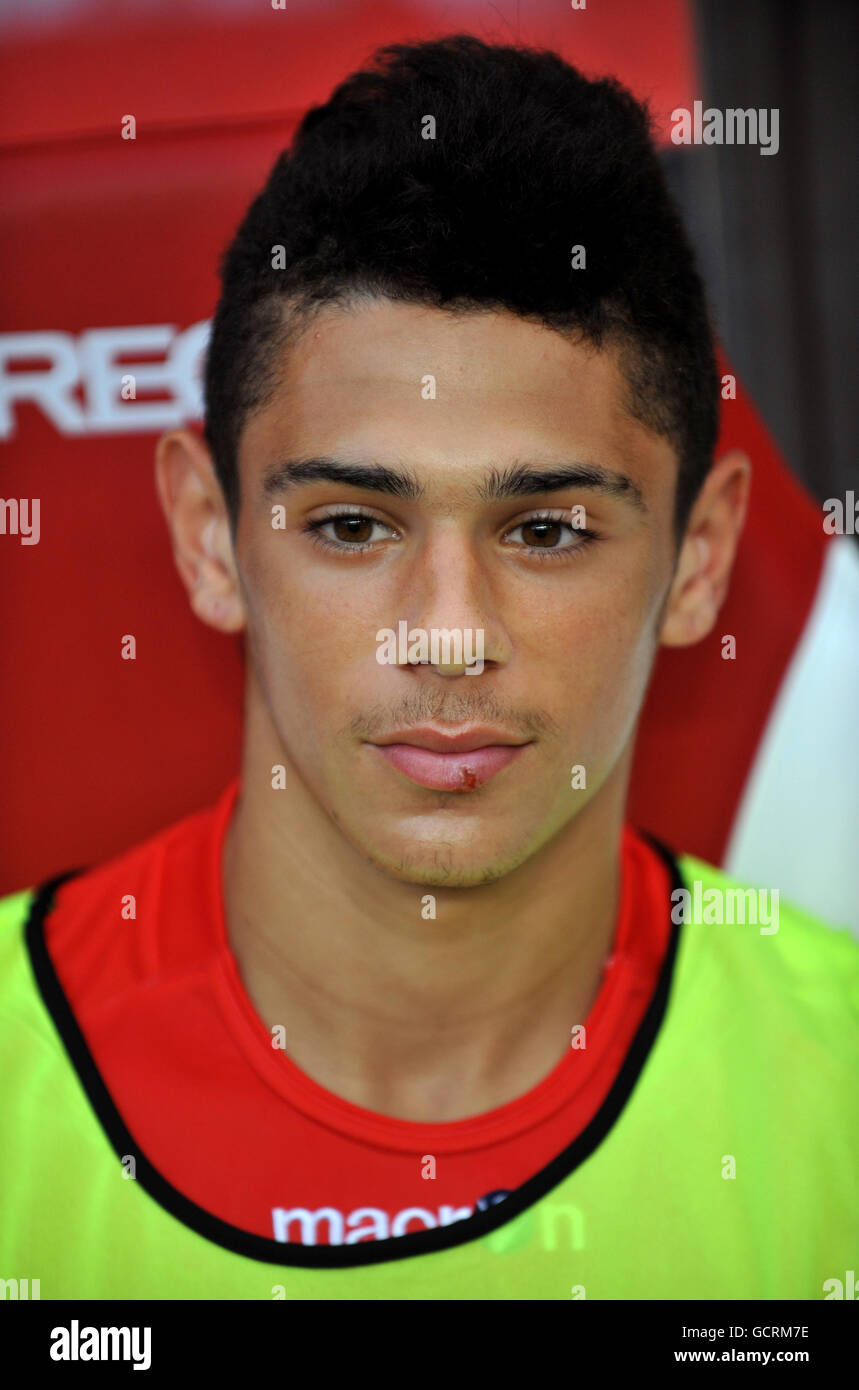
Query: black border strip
[[275, 1252]]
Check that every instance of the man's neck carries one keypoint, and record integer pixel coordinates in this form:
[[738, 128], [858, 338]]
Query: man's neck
[[430, 1020]]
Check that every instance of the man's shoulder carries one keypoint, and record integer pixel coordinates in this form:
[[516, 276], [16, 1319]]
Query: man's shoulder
[[188, 830], [109, 891], [772, 907], [14, 911], [787, 962]]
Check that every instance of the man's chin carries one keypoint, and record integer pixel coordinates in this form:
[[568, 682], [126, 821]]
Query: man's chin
[[439, 863], [429, 876]]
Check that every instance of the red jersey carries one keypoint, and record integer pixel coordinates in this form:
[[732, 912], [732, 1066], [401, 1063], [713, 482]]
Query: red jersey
[[233, 1124]]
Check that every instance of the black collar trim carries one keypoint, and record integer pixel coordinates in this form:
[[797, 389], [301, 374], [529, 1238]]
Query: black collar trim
[[274, 1252]]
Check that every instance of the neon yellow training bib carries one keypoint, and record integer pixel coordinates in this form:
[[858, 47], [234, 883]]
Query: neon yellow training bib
[[722, 1164]]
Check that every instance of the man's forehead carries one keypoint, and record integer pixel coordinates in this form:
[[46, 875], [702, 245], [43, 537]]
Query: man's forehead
[[435, 402], [471, 350]]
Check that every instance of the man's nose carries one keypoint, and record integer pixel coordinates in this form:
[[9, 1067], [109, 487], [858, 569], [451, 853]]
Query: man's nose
[[450, 597]]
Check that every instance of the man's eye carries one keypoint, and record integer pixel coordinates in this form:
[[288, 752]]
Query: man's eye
[[545, 533], [352, 530]]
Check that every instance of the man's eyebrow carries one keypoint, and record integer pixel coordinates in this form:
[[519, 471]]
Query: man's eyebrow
[[375, 477], [521, 480]]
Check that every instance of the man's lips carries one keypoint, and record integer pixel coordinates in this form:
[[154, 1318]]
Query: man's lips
[[450, 762]]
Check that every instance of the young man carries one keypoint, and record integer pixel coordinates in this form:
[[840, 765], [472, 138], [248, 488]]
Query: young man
[[413, 1013]]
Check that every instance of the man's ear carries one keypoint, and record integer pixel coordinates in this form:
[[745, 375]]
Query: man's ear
[[193, 503], [707, 552]]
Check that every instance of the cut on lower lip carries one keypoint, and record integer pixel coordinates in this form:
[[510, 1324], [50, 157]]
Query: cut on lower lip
[[449, 772]]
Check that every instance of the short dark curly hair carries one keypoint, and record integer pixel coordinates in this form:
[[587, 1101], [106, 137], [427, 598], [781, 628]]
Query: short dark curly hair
[[529, 159]]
